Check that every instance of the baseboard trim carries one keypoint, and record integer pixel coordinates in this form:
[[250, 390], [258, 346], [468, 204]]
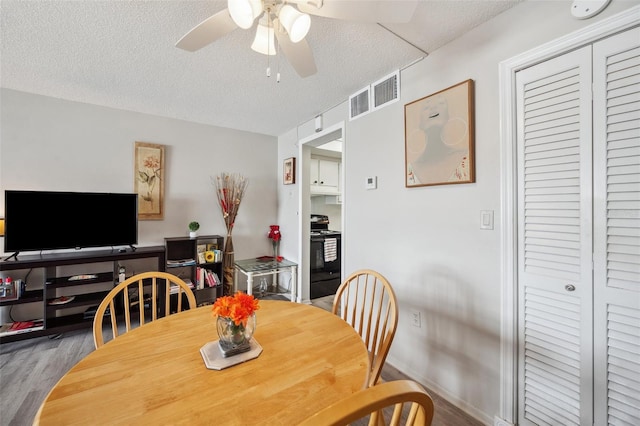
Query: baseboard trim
[[444, 394]]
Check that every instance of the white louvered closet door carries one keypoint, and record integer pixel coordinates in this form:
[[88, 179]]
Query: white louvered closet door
[[555, 359], [616, 156]]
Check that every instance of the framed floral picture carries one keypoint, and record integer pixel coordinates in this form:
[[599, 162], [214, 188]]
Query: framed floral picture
[[439, 137], [289, 171], [148, 180]]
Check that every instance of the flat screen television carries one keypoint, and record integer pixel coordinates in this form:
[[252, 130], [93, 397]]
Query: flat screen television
[[50, 220]]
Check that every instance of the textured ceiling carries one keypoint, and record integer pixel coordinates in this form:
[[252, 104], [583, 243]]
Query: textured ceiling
[[122, 54]]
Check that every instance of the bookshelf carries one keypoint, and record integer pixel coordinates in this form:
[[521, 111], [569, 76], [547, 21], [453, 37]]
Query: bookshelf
[[198, 261]]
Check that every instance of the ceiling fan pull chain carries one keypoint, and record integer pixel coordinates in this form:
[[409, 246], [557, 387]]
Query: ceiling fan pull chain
[[277, 47], [269, 29], [268, 66]]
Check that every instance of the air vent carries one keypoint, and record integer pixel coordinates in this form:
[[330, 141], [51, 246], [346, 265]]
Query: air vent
[[386, 90], [359, 103]]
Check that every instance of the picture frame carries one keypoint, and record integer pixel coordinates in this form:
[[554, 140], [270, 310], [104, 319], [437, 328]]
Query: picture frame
[[289, 171], [440, 137], [148, 180]]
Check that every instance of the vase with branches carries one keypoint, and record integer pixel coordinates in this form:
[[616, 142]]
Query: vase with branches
[[230, 188]]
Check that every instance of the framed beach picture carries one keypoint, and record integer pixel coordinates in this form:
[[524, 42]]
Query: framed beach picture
[[148, 180], [289, 171], [439, 137]]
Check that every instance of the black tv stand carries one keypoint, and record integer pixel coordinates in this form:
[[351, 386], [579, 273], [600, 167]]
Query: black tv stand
[[61, 318]]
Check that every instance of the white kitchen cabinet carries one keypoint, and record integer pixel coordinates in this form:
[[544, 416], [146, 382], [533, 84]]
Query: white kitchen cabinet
[[325, 176]]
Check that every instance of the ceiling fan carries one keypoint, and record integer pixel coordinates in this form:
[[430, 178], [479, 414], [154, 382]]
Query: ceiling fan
[[288, 22]]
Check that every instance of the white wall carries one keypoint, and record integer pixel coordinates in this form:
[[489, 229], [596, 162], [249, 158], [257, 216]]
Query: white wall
[[288, 197], [53, 144], [427, 241]]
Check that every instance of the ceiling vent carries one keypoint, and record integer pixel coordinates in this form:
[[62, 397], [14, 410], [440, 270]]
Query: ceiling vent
[[386, 90], [359, 103]]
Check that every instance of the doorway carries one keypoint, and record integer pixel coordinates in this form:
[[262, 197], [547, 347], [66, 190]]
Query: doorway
[[308, 148]]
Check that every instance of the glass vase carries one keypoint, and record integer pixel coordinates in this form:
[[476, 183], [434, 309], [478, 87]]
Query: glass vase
[[235, 338], [276, 249]]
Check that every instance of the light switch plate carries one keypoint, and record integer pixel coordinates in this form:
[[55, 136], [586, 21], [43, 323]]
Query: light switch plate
[[371, 182], [486, 219]]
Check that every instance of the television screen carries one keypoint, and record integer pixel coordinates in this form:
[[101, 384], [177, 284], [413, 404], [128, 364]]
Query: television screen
[[48, 220]]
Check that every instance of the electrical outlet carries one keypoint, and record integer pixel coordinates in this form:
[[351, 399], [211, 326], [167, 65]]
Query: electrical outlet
[[415, 318]]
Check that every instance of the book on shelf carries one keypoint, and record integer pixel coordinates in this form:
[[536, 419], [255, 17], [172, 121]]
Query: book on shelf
[[206, 278], [18, 327], [214, 280], [199, 278], [174, 288], [181, 262], [210, 282]]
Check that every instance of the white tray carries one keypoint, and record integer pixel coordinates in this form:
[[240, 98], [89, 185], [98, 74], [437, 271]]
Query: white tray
[[214, 360]]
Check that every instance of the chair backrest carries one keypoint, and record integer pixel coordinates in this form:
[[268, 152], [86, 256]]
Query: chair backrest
[[367, 301], [390, 403], [145, 297]]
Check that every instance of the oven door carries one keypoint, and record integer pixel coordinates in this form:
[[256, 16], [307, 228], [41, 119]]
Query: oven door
[[324, 269], [317, 254]]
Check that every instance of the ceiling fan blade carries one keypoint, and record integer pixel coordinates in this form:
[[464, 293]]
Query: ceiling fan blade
[[298, 54], [383, 11], [207, 31]]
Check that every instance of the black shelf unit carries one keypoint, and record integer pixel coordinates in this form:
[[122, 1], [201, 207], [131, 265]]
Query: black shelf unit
[[186, 248], [55, 319]]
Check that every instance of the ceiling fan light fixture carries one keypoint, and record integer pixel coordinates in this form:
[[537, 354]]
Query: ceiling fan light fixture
[[296, 23], [264, 41], [244, 12]]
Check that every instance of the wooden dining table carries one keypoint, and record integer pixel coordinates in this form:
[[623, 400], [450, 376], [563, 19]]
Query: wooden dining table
[[155, 374]]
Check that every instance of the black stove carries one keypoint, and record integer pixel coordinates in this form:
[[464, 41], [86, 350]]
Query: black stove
[[325, 265]]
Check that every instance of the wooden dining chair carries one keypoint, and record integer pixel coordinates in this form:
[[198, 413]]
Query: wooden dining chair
[[390, 403], [367, 301], [145, 297]]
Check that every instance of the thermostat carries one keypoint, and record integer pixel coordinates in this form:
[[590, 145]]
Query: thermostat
[[372, 182]]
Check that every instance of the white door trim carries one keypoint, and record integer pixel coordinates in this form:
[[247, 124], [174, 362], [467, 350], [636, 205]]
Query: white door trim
[[508, 190], [304, 208]]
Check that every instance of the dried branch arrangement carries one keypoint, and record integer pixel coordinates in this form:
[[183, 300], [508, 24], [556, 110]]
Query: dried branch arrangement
[[230, 189]]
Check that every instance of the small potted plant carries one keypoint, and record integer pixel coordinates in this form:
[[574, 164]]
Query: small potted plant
[[193, 227]]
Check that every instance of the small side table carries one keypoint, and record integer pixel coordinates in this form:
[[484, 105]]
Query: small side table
[[257, 268]]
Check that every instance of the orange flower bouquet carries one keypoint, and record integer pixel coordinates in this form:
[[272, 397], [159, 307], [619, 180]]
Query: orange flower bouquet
[[236, 321]]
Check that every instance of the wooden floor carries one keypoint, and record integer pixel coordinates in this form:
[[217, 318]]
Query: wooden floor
[[30, 368]]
